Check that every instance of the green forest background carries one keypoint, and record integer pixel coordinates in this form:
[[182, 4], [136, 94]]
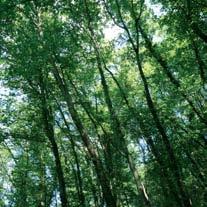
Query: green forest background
[[103, 103]]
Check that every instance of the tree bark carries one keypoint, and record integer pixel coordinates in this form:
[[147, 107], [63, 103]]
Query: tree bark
[[169, 74], [50, 134], [106, 189], [184, 200], [81, 195]]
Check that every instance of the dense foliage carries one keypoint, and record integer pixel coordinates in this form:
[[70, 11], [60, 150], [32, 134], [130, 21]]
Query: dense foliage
[[103, 103]]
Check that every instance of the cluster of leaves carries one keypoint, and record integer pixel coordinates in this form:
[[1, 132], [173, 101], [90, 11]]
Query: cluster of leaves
[[90, 122]]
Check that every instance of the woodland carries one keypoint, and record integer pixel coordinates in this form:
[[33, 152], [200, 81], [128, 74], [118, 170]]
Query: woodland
[[103, 103]]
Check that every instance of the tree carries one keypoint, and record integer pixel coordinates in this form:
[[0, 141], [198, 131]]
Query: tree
[[87, 121]]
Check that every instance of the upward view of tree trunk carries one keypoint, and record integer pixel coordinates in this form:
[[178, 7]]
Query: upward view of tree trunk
[[103, 103]]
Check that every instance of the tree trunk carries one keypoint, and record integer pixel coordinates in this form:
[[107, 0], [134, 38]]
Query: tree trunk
[[81, 195], [49, 131], [106, 189]]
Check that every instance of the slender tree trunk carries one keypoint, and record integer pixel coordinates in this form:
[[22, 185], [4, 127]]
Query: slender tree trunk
[[196, 169], [169, 74], [184, 201], [75, 155], [201, 64], [116, 127], [173, 163], [105, 140], [193, 25], [49, 131], [148, 139], [61, 180], [108, 196]]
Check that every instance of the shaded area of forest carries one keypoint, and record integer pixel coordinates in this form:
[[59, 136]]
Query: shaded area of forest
[[89, 118]]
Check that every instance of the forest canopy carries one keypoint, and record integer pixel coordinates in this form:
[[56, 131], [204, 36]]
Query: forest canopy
[[103, 103]]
